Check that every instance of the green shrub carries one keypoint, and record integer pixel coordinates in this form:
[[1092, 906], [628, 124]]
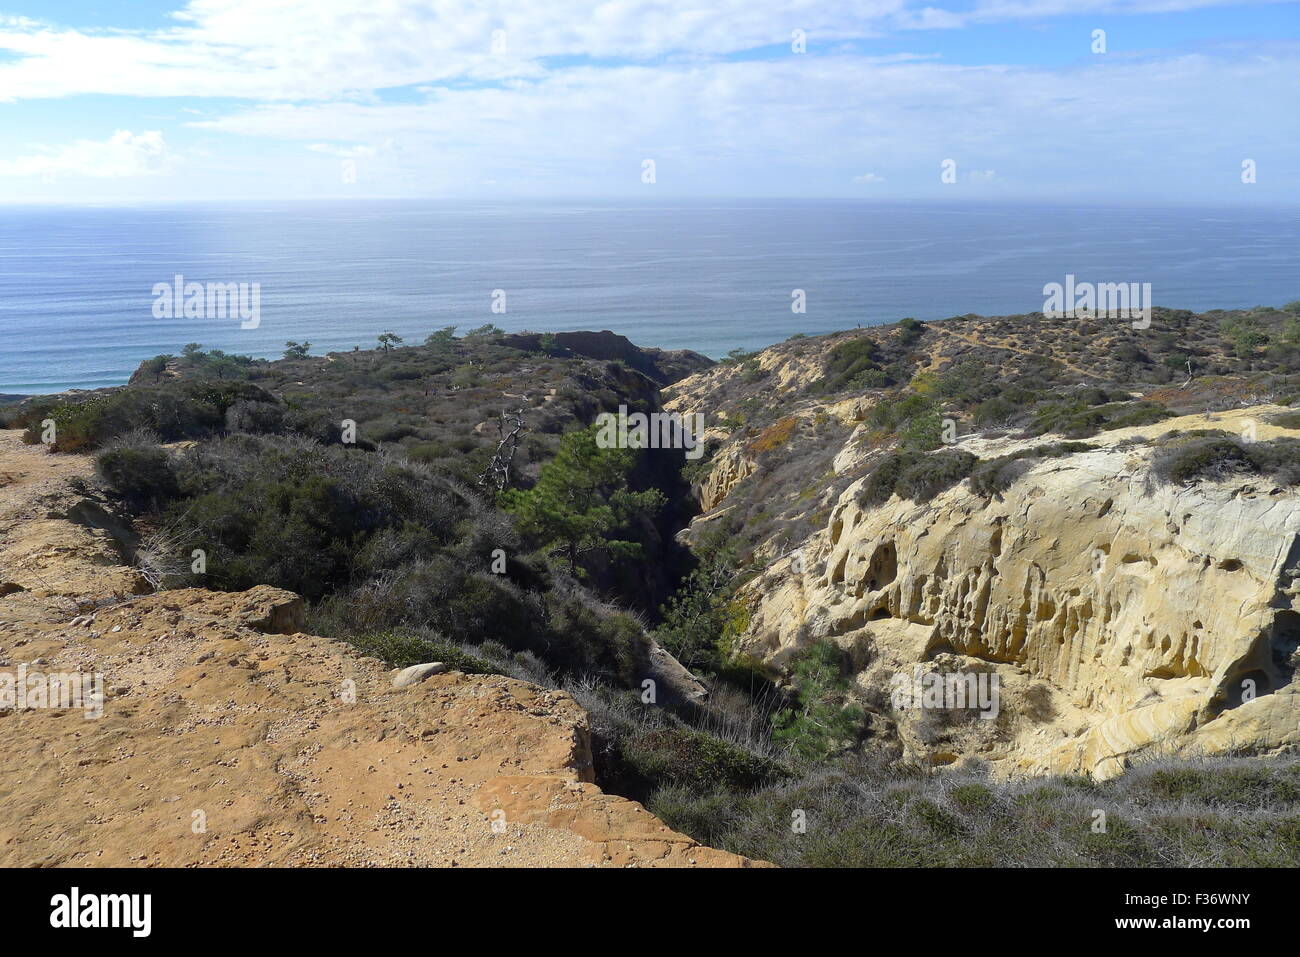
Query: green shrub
[[1133, 414], [1208, 458], [1073, 419], [215, 364], [582, 638], [1233, 787], [1278, 458], [934, 473], [695, 618], [1245, 332], [402, 649], [390, 431], [852, 365], [1226, 812], [997, 411], [895, 411], [914, 475], [880, 483], [973, 796], [155, 365], [255, 418], [183, 410], [141, 475], [292, 513], [1214, 454], [923, 430], [824, 721], [910, 331], [77, 427], [697, 762]]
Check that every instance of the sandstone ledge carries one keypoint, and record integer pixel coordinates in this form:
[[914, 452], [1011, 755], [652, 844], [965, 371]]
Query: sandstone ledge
[[224, 743]]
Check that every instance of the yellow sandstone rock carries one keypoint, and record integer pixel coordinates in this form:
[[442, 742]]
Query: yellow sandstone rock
[[1137, 616]]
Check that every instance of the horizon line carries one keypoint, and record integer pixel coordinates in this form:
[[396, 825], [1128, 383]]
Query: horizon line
[[1103, 203]]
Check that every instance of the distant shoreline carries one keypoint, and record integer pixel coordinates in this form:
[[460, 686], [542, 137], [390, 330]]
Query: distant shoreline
[[711, 277], [9, 397]]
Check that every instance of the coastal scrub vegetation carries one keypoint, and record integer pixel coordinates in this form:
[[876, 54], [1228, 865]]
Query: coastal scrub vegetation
[[400, 549], [1207, 454], [1223, 812], [571, 577], [914, 475]]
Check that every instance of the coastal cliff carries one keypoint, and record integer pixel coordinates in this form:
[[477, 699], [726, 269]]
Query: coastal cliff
[[1125, 614], [402, 605], [1130, 612], [229, 737]]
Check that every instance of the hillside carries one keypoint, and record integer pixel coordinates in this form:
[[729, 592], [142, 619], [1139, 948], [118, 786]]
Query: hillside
[[1005, 495], [231, 738], [1048, 508]]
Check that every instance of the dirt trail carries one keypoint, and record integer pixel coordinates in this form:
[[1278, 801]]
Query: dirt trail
[[58, 547], [22, 465], [991, 344], [227, 737]]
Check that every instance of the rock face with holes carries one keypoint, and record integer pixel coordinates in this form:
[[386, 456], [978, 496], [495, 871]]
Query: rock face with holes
[[1121, 614], [729, 468]]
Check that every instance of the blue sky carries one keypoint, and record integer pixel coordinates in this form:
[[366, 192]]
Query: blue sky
[[496, 99]]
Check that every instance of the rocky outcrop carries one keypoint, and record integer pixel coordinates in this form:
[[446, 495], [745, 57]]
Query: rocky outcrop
[[787, 366], [223, 744], [157, 370], [726, 471], [664, 366], [1122, 615]]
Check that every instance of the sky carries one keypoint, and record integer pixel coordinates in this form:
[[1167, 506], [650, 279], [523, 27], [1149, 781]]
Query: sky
[[1125, 101]]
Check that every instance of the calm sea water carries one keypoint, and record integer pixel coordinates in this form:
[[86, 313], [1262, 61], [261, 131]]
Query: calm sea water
[[76, 284]]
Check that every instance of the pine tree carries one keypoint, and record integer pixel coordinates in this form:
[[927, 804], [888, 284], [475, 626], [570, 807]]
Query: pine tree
[[581, 500], [824, 721]]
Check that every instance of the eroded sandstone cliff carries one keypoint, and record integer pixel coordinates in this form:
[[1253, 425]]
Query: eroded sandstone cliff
[[1122, 615]]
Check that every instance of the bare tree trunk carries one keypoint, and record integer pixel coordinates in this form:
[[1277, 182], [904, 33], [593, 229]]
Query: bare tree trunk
[[497, 473]]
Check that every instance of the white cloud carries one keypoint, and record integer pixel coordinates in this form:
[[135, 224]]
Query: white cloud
[[312, 49], [785, 123], [124, 154], [637, 79], [356, 151], [989, 11], [323, 49]]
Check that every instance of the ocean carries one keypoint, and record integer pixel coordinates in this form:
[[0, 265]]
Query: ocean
[[77, 284]]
